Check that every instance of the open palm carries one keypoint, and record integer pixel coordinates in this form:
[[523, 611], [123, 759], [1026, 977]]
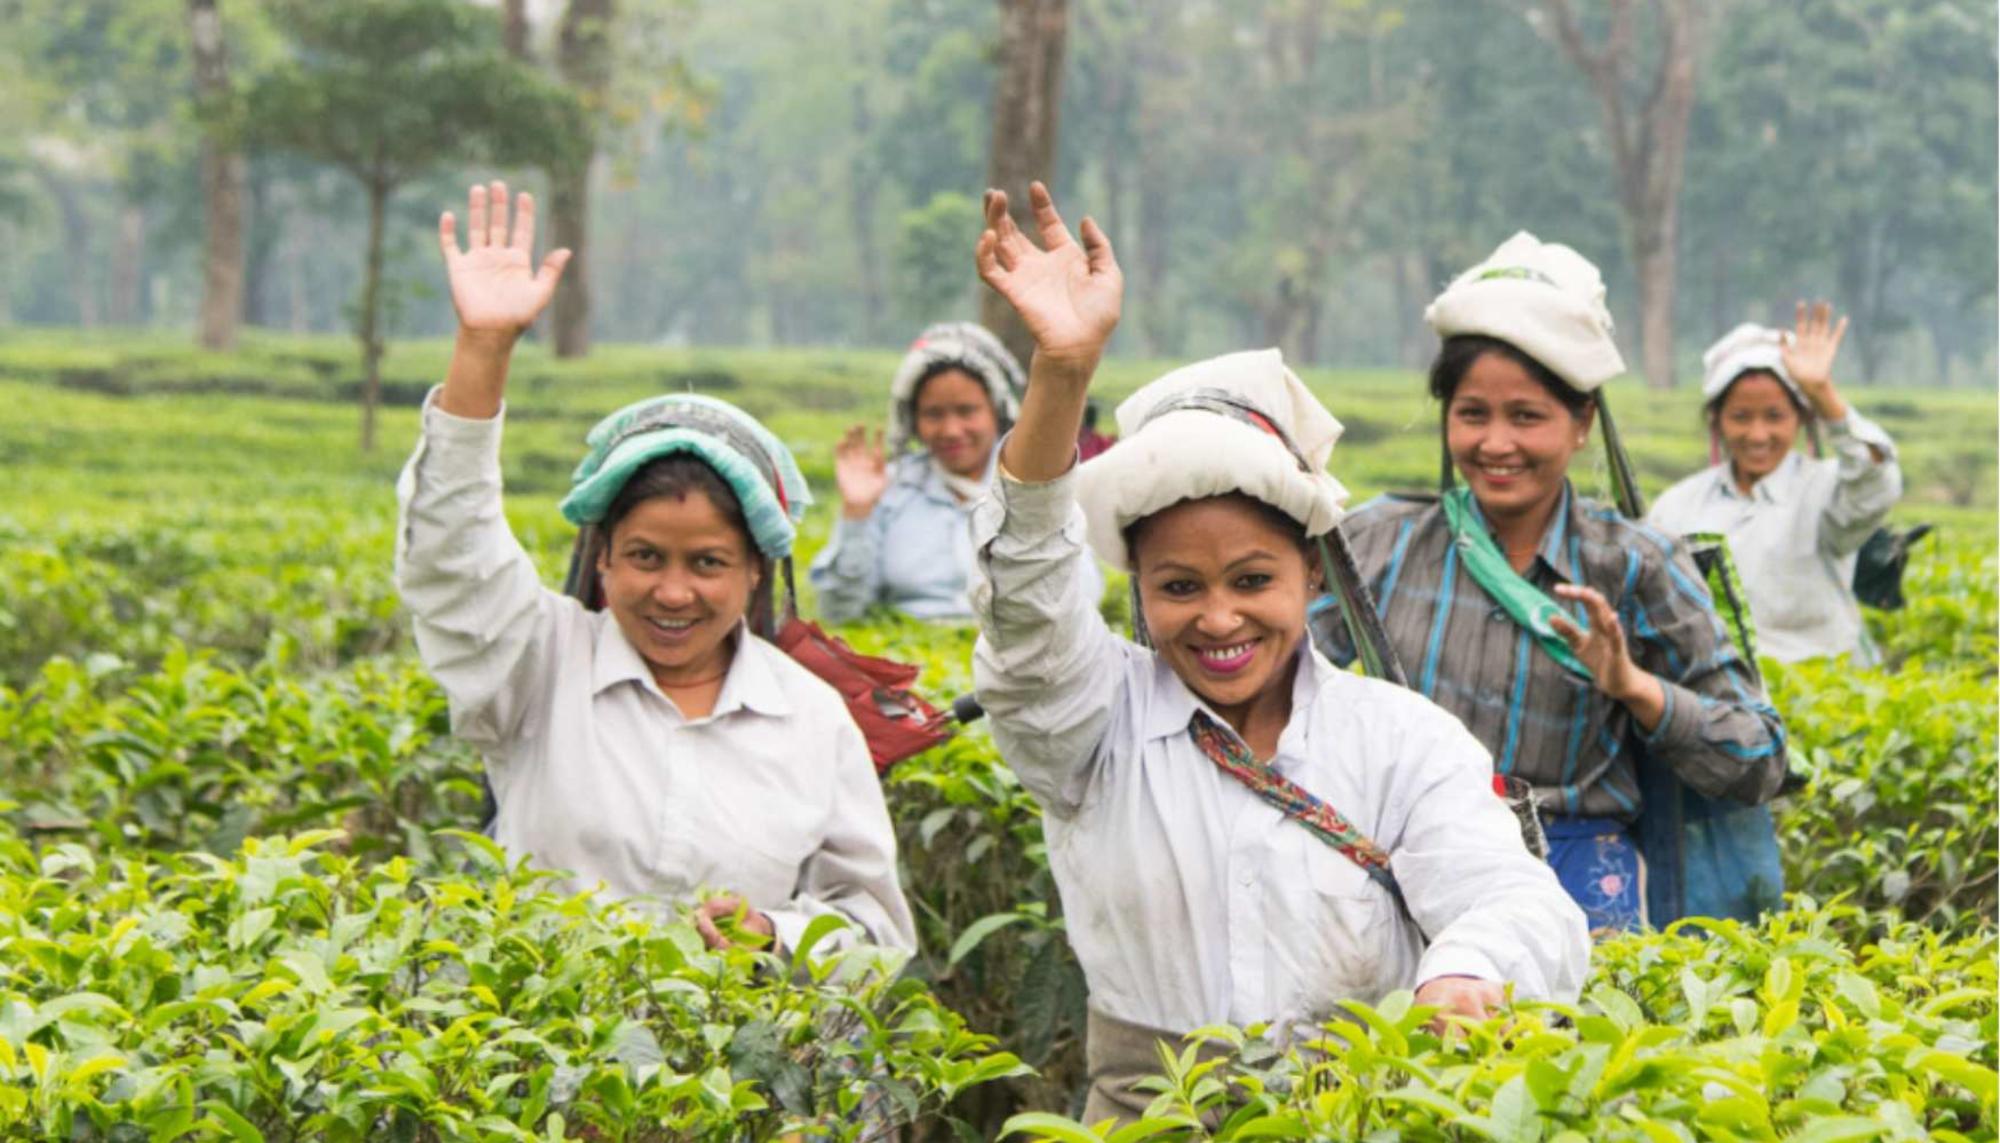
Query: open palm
[[495, 285], [1068, 296], [1814, 343]]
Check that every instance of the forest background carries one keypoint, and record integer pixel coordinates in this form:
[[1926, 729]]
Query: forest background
[[754, 173]]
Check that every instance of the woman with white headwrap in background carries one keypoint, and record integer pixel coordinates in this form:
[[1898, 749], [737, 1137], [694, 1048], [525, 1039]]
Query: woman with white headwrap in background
[[1794, 523], [657, 747], [903, 538], [1240, 832], [1580, 647]]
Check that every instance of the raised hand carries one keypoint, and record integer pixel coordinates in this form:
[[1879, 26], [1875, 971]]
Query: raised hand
[[860, 472], [495, 286], [1069, 296], [1603, 650], [1809, 354]]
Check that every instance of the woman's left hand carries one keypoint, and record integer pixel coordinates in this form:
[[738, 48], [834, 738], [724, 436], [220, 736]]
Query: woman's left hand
[[726, 907], [1466, 996], [1603, 650], [1809, 353]]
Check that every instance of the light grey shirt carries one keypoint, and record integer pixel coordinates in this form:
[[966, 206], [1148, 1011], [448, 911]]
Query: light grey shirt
[[771, 795], [1188, 898], [1795, 536]]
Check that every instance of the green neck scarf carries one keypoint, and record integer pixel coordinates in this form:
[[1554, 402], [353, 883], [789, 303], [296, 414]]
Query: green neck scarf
[[1522, 601]]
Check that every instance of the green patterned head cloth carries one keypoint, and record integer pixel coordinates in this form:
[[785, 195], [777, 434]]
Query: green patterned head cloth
[[755, 464]]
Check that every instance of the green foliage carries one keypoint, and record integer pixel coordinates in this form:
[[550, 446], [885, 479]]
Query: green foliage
[[1899, 813], [289, 992], [931, 278], [1789, 1030]]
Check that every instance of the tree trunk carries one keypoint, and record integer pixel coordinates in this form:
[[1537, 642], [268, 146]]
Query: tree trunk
[[221, 187], [514, 27], [76, 239], [262, 233], [1648, 150], [371, 303], [583, 57], [128, 257], [867, 184], [1027, 95]]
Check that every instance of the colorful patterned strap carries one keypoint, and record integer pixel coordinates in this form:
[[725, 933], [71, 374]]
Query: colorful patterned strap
[[1299, 804]]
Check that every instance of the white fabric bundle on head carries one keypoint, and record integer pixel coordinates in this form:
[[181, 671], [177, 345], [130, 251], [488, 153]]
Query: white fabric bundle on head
[[1192, 453], [1749, 346], [1542, 298]]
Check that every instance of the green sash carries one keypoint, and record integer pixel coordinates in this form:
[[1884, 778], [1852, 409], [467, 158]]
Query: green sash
[[1521, 600]]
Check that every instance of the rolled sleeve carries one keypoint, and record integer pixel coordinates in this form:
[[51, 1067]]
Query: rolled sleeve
[[1865, 488], [853, 873]]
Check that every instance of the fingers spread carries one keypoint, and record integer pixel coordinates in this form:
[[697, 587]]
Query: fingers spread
[[475, 217], [524, 223], [448, 235], [552, 268], [1097, 249]]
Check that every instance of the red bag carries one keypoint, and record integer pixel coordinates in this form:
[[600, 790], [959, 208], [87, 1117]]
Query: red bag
[[896, 722]]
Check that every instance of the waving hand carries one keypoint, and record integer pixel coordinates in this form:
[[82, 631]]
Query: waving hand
[[495, 286], [1069, 296]]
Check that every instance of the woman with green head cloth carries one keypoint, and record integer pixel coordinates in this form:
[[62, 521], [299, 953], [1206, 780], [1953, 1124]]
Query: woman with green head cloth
[[658, 747], [1241, 833]]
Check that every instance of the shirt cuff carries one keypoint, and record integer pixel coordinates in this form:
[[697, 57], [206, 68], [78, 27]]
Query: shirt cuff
[[1677, 722], [791, 924], [1029, 512], [1855, 428], [460, 446], [1456, 960]]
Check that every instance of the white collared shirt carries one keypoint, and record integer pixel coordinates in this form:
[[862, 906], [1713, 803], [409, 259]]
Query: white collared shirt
[[771, 795], [1795, 536], [1189, 899]]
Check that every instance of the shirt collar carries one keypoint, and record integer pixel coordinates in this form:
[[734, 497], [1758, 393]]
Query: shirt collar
[[1775, 488], [1173, 703], [751, 683], [1554, 550]]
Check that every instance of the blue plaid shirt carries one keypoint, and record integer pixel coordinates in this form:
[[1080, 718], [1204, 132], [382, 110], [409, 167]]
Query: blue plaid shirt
[[1575, 745]]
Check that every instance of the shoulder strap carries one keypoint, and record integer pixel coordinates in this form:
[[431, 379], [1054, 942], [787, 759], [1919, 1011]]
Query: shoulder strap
[[1298, 803], [1523, 602]]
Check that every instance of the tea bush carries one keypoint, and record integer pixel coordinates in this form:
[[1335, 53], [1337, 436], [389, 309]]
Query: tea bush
[[288, 992], [1779, 1031]]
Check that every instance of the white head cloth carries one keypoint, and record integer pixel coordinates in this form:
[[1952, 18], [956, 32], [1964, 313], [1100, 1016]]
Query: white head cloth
[[1749, 346], [1545, 300], [1191, 454], [964, 345]]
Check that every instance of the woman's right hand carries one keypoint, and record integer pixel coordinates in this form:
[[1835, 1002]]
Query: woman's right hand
[[495, 286], [1068, 296], [861, 473]]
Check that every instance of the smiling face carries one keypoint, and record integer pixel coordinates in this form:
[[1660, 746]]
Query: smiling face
[[956, 422], [1223, 587], [678, 575], [1511, 438], [1758, 424]]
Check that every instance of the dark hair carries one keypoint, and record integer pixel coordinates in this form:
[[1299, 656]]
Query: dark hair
[[676, 475], [1271, 516], [1712, 410], [1456, 355]]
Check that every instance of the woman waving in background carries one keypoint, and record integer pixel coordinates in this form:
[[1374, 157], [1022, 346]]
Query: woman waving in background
[[1794, 523], [1239, 831], [656, 747], [1580, 647], [903, 537]]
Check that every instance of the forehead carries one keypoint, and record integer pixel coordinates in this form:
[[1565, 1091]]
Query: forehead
[[1211, 533], [1499, 379], [687, 520], [1757, 390], [950, 387]]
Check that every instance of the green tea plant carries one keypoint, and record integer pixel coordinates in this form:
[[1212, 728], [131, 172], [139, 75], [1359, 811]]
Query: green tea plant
[[288, 992], [1899, 812], [1787, 1030]]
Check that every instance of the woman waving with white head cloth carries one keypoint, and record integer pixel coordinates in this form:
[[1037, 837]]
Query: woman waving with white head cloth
[[1240, 832], [1795, 524]]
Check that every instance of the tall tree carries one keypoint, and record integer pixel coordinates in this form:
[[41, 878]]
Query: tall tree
[[387, 90], [222, 184], [1648, 145], [583, 59], [1027, 99]]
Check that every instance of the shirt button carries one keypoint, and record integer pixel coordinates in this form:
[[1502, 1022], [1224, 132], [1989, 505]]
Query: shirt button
[[1246, 879]]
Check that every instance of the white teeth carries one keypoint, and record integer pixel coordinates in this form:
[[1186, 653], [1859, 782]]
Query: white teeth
[[673, 624], [1223, 653], [1496, 470]]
